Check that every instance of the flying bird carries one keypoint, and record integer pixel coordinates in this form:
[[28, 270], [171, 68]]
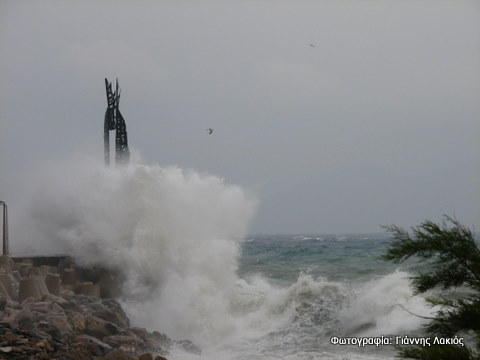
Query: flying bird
[[210, 131], [312, 45]]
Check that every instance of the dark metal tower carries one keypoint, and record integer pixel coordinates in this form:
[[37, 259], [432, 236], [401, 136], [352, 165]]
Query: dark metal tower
[[5, 228], [115, 120]]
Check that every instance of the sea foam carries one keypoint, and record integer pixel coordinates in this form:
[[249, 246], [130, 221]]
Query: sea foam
[[176, 235]]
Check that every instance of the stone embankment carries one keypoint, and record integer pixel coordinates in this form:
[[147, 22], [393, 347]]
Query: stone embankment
[[66, 313]]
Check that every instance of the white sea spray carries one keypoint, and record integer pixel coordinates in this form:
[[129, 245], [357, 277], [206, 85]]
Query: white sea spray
[[176, 235]]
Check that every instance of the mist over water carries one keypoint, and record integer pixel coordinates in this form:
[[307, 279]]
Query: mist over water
[[175, 233], [177, 236]]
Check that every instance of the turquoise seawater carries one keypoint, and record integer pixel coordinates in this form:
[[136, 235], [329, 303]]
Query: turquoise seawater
[[336, 257], [313, 288]]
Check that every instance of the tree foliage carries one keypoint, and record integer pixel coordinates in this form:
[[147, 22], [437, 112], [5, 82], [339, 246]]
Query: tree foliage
[[453, 259]]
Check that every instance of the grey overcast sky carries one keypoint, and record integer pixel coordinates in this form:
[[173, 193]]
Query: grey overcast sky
[[377, 123]]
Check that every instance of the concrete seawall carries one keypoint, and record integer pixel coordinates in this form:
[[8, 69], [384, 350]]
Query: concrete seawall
[[34, 276]]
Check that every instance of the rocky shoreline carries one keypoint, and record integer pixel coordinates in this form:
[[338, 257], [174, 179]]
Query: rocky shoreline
[[67, 319]]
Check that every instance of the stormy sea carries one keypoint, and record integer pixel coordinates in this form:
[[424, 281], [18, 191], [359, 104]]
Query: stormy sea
[[193, 270]]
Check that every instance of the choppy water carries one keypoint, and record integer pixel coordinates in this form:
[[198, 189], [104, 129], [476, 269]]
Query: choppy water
[[337, 257], [322, 286]]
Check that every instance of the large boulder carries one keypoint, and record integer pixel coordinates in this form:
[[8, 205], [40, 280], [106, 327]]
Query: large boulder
[[23, 318], [117, 340], [117, 354], [77, 321], [112, 316], [188, 346], [99, 328], [59, 327], [94, 345]]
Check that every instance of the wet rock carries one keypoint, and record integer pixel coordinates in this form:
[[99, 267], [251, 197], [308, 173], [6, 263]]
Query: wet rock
[[55, 308], [140, 332], [146, 356], [52, 298], [11, 304], [40, 333], [9, 317], [77, 321], [113, 305], [44, 345], [66, 326], [6, 349], [93, 345], [158, 342], [112, 316], [188, 346], [10, 338], [27, 301], [23, 318], [117, 340], [95, 306], [117, 354], [41, 307], [128, 349], [70, 304], [162, 338], [60, 328], [99, 328], [4, 328]]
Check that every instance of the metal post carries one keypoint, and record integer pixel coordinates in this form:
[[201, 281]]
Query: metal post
[[5, 228]]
